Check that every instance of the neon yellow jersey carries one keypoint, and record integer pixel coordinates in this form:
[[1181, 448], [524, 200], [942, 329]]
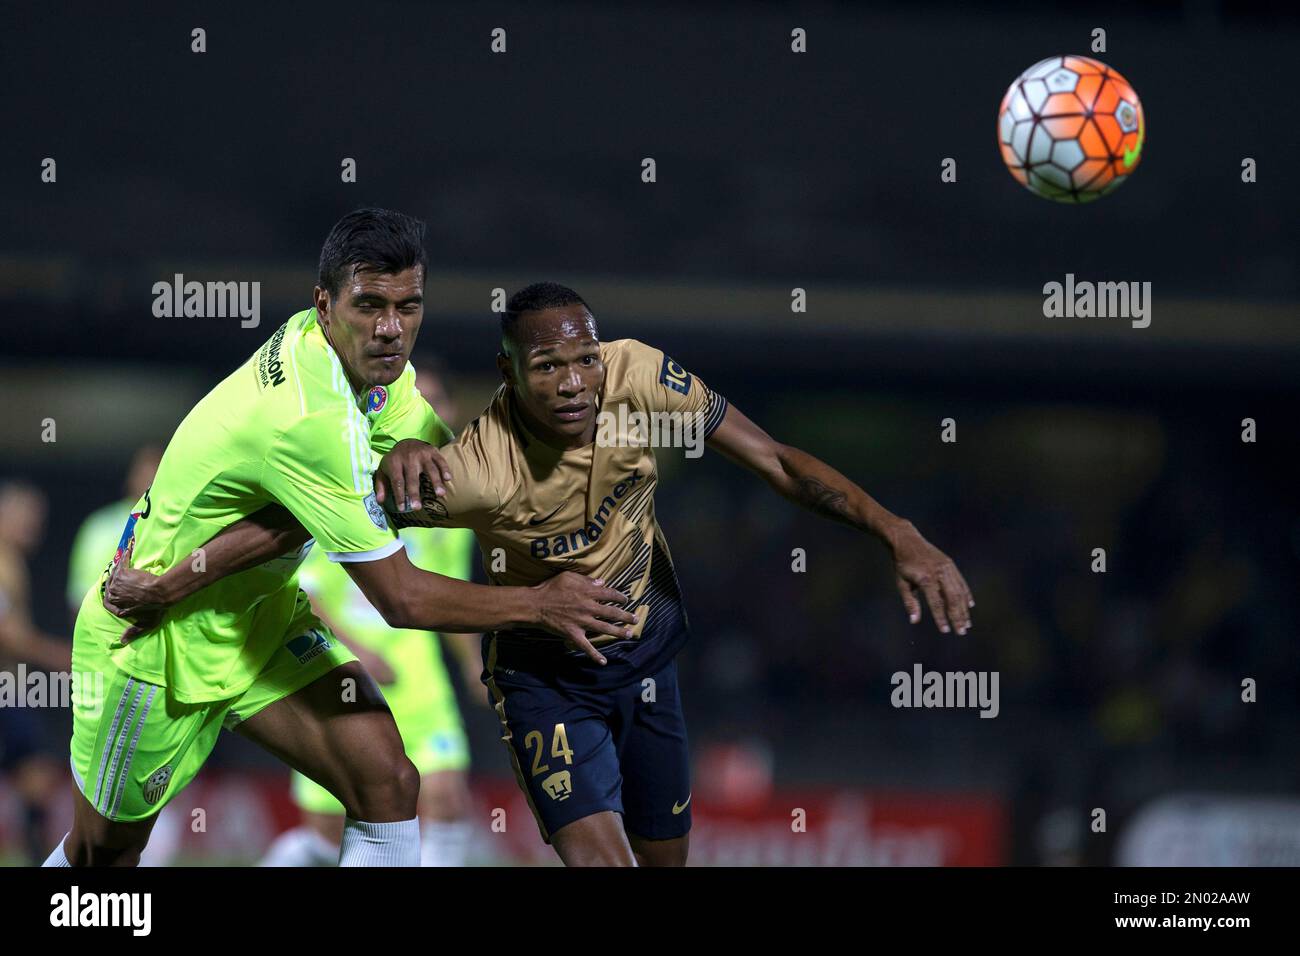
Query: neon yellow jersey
[[284, 427], [93, 547]]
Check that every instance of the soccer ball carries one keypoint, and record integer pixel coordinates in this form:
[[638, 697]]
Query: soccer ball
[[1071, 129]]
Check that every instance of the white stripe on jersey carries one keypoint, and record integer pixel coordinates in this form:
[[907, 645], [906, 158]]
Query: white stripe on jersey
[[349, 435], [293, 357]]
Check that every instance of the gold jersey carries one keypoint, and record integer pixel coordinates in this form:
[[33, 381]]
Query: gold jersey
[[538, 510]]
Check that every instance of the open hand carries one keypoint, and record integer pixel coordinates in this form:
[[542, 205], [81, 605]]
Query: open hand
[[574, 606], [920, 566]]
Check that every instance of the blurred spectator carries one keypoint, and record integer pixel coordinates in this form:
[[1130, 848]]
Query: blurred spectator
[[26, 755]]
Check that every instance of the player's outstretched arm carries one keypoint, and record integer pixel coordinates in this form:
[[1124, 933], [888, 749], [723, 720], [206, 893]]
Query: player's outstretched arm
[[568, 604], [810, 482]]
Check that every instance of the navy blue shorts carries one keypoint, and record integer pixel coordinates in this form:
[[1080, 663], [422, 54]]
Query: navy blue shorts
[[579, 751]]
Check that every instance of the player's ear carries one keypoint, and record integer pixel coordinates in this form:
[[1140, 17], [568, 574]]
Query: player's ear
[[507, 370], [321, 299]]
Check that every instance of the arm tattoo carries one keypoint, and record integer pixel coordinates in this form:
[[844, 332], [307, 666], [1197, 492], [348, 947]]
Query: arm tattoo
[[826, 501]]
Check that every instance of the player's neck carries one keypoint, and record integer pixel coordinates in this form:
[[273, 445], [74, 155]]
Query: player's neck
[[359, 386]]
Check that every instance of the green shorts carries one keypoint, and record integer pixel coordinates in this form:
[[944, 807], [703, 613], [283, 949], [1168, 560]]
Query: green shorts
[[134, 746]]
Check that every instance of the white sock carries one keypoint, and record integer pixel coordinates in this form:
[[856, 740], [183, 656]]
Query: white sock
[[58, 858], [380, 844], [444, 843], [301, 846]]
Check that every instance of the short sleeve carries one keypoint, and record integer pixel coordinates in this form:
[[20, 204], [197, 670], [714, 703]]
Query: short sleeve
[[660, 384], [320, 469]]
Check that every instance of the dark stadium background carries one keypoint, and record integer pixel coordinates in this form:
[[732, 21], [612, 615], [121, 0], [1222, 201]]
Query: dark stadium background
[[775, 170]]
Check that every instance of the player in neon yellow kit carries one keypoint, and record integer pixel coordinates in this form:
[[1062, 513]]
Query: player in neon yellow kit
[[408, 666], [302, 424], [92, 550]]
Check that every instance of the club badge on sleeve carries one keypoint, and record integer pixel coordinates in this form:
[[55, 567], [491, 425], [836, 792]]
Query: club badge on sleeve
[[674, 376]]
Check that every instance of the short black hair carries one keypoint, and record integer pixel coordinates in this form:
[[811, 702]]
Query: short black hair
[[535, 298], [371, 240]]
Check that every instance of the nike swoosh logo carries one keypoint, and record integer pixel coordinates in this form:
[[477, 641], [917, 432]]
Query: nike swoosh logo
[[1131, 155], [533, 522], [678, 809]]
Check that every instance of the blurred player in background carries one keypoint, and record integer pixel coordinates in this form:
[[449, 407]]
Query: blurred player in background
[[96, 541], [408, 666], [25, 755]]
